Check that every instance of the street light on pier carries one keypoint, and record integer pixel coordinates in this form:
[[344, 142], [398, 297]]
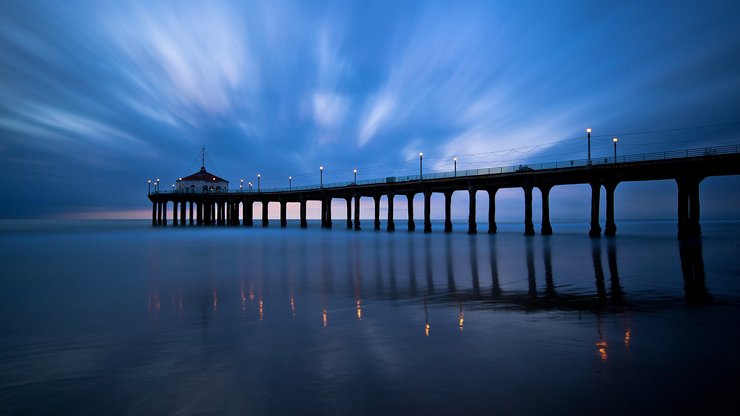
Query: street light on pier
[[156, 186], [355, 173], [454, 159], [173, 187], [615, 140], [588, 132], [149, 186], [241, 184], [290, 183], [321, 179], [250, 186], [421, 158], [259, 178]]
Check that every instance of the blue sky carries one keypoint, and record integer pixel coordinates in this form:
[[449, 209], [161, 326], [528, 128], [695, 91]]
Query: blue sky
[[97, 97]]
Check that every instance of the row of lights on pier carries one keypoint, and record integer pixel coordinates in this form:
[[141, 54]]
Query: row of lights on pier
[[614, 140], [421, 170]]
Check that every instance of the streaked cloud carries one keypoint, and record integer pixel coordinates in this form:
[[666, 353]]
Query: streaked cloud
[[127, 90]]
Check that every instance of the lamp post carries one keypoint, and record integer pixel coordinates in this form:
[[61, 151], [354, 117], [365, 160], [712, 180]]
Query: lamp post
[[355, 173], [321, 179], [259, 178], [454, 159], [290, 183], [241, 184], [588, 132], [149, 186], [173, 187], [156, 187], [615, 140], [250, 186], [421, 159]]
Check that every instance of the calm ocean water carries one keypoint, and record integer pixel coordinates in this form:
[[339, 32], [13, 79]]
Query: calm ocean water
[[115, 317]]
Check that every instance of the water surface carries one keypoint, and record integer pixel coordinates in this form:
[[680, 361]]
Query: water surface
[[117, 317]]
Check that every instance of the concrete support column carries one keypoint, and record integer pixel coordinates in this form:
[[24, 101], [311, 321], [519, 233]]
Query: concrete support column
[[528, 226], [694, 210], [159, 213], [206, 213], [183, 213], [410, 201], [244, 213], [546, 226], [229, 209], [192, 220], [174, 214], [328, 213], [304, 223], [283, 214], [199, 210], [265, 220], [689, 225], [164, 214], [222, 213], [323, 213], [154, 213], [349, 212], [376, 224], [391, 226], [428, 211], [611, 226], [448, 211], [492, 228], [248, 213], [357, 212], [472, 226], [595, 197]]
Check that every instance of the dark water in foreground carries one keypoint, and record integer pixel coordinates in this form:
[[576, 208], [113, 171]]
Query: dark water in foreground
[[119, 318]]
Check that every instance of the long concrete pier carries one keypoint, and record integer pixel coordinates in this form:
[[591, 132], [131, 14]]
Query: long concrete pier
[[687, 167]]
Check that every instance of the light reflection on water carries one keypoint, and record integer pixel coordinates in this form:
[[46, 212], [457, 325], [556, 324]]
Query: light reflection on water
[[226, 321]]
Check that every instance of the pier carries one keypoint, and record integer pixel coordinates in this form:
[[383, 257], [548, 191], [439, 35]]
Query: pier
[[686, 167]]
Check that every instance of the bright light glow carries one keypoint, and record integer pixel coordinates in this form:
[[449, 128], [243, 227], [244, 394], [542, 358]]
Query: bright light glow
[[355, 171], [321, 168], [615, 140], [455, 159], [148, 181], [588, 130], [421, 154], [259, 176]]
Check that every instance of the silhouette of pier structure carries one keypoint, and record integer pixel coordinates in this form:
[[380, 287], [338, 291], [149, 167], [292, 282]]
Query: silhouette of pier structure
[[687, 167]]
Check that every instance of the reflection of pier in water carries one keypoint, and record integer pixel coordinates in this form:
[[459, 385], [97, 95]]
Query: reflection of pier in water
[[422, 278], [607, 294]]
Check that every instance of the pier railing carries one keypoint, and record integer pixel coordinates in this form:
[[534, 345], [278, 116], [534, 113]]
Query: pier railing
[[576, 163]]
